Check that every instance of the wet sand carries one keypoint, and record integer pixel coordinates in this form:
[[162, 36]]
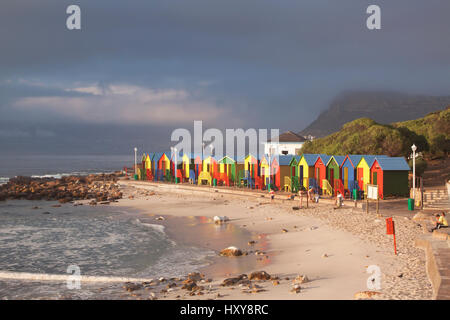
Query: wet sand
[[335, 259]]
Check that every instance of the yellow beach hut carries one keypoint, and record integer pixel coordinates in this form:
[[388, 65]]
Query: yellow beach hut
[[363, 170], [306, 168], [186, 161]]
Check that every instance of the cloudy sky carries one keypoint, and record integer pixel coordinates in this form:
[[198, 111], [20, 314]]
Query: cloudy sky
[[139, 69]]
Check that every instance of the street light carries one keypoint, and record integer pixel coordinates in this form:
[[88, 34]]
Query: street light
[[212, 175], [135, 160], [414, 148]]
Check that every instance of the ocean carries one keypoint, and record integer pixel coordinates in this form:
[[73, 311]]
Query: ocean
[[60, 165], [38, 238]]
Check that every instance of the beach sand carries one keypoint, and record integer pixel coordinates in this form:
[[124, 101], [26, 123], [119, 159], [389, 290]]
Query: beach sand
[[333, 248]]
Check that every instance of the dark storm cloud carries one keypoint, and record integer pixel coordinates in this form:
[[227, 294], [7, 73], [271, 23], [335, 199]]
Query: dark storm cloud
[[255, 63]]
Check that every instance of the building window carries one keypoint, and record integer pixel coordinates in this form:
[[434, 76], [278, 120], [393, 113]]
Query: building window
[[285, 152]]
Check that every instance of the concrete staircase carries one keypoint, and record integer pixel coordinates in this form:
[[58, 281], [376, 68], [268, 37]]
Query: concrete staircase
[[436, 195], [436, 198]]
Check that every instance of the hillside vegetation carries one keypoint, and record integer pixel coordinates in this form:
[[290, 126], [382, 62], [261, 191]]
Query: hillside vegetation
[[383, 107], [430, 134]]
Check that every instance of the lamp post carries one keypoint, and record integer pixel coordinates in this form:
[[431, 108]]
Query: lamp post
[[414, 148], [212, 175], [270, 166], [135, 161]]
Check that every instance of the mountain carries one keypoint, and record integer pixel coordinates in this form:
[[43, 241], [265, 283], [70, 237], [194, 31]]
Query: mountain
[[431, 135], [382, 107]]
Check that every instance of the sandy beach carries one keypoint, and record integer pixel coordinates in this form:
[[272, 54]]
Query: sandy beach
[[333, 248]]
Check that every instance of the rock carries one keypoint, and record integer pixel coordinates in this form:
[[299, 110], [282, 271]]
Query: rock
[[171, 285], [296, 288], [162, 279], [284, 230], [250, 243], [130, 287], [259, 275], [231, 252], [46, 212], [189, 286], [242, 279], [220, 219], [195, 276], [366, 294], [160, 218], [325, 255], [301, 279], [275, 282]]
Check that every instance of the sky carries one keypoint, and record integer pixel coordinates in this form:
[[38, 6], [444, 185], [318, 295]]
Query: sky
[[137, 69]]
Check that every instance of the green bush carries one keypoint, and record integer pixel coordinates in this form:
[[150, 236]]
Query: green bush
[[421, 166]]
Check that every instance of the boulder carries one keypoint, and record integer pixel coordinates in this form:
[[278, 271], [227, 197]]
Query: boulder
[[366, 294], [231, 252], [301, 279], [260, 275]]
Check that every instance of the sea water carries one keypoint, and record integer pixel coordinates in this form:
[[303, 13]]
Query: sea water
[[60, 165], [36, 237]]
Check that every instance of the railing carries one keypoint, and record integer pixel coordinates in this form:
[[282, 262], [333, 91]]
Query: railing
[[204, 176], [326, 187], [287, 184], [338, 186]]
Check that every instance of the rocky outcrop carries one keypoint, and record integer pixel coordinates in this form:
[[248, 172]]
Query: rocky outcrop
[[260, 275], [101, 188], [231, 252]]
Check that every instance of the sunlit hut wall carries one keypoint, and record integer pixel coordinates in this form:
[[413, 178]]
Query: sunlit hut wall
[[320, 169], [210, 166], [227, 168], [186, 166], [334, 175], [275, 172], [348, 169], [363, 170], [148, 166], [294, 170], [264, 170], [251, 165], [391, 176], [163, 167], [284, 168], [306, 168]]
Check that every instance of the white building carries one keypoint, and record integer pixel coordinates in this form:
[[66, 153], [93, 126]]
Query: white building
[[288, 143]]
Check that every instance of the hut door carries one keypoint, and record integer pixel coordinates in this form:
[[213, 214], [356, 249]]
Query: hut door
[[375, 178], [361, 178], [293, 171], [300, 174], [345, 178], [332, 177]]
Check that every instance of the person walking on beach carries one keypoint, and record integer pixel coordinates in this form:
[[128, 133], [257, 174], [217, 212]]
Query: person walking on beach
[[311, 192], [441, 222], [339, 200], [300, 194], [272, 195]]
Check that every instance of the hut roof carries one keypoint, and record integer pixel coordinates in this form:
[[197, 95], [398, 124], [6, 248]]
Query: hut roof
[[395, 163], [310, 158], [285, 160], [339, 160]]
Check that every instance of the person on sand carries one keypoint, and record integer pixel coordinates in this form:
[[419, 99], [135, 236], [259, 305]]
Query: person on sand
[[272, 195], [339, 200], [300, 195], [311, 192], [441, 222]]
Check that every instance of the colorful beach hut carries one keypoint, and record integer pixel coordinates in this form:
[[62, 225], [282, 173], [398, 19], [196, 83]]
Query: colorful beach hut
[[227, 171], [334, 173], [295, 179], [348, 171], [363, 170], [306, 170], [391, 176], [149, 167], [162, 162], [320, 171], [281, 171], [264, 170]]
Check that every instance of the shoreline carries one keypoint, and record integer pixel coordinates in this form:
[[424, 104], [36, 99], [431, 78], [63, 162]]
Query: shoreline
[[333, 258]]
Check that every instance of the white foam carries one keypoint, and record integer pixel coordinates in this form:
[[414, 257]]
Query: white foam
[[64, 277], [3, 180]]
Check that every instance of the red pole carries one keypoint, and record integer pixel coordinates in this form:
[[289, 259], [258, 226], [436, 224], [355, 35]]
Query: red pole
[[395, 245]]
